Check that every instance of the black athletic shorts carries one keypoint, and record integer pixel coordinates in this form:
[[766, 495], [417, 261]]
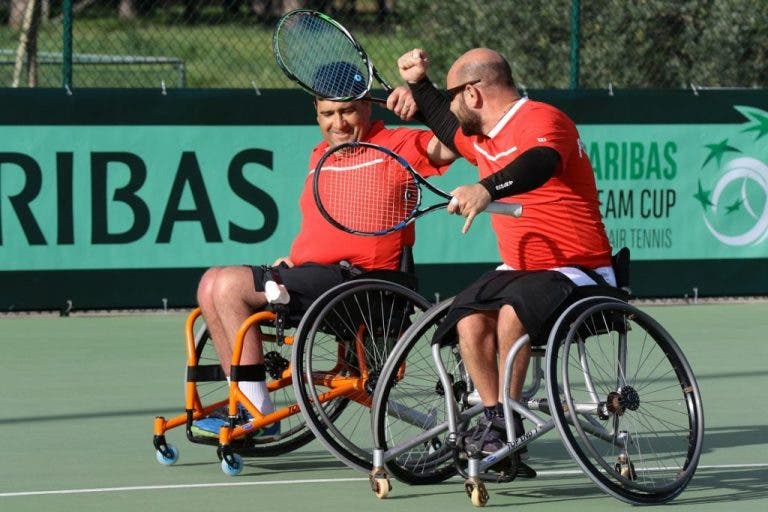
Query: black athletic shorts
[[305, 283], [536, 296]]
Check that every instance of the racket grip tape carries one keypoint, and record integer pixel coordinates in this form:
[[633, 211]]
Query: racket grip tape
[[513, 209]]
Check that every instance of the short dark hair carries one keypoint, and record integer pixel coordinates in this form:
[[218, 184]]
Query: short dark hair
[[339, 78]]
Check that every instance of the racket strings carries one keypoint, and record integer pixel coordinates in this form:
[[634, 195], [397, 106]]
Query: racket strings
[[367, 191], [322, 57]]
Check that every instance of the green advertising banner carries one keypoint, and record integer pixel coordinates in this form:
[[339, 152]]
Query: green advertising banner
[[195, 196], [148, 196], [121, 198], [684, 191]]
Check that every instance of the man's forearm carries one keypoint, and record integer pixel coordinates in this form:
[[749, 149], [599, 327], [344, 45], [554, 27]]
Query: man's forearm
[[435, 110]]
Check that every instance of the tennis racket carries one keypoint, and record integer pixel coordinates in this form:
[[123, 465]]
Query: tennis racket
[[320, 55], [367, 189]]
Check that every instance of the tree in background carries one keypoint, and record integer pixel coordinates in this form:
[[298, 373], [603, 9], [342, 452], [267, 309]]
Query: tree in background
[[648, 43], [533, 36], [17, 8]]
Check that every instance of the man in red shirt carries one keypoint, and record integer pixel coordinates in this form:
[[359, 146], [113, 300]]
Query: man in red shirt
[[533, 151], [321, 256]]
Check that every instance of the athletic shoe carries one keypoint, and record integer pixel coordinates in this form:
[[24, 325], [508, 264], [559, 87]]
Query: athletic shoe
[[208, 427], [211, 425], [488, 437], [483, 438]]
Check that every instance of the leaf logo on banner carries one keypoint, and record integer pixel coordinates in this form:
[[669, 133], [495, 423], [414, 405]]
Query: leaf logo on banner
[[735, 208]]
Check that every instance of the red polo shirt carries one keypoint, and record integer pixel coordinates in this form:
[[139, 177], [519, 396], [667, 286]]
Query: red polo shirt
[[561, 223], [318, 241]]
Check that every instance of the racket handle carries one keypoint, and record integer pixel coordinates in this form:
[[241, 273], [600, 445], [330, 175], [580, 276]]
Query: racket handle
[[513, 209], [276, 293]]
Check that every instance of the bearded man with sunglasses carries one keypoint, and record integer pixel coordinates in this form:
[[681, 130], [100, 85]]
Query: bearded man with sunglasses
[[532, 151]]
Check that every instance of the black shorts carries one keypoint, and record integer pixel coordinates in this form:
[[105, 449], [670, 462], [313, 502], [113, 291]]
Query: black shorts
[[536, 296], [305, 283]]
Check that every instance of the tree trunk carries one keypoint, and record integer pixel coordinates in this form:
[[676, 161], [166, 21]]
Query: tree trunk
[[273, 9], [127, 10], [27, 49], [16, 14]]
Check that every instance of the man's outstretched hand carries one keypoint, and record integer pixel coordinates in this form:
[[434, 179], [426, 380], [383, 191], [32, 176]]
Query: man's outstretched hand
[[468, 201]]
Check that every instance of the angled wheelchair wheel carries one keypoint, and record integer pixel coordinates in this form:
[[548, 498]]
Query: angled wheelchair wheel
[[293, 430], [409, 409], [341, 345], [625, 400]]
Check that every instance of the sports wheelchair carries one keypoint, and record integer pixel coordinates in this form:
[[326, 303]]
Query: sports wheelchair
[[618, 390], [321, 372]]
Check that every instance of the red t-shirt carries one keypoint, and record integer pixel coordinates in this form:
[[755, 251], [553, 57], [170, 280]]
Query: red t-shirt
[[561, 223], [320, 242]]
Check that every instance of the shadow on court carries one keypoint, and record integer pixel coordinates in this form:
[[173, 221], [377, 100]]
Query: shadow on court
[[734, 436], [77, 416], [715, 485], [286, 464], [575, 488], [730, 484], [306, 461]]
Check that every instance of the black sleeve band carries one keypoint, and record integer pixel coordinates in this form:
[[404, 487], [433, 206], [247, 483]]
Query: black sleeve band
[[527, 172], [436, 112]]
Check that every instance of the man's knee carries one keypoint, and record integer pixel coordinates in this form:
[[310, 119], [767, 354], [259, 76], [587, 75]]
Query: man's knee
[[509, 321], [476, 326], [508, 313], [469, 322], [206, 285], [234, 287], [227, 283]]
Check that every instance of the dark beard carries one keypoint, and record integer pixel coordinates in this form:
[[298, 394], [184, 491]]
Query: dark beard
[[470, 122], [471, 127]]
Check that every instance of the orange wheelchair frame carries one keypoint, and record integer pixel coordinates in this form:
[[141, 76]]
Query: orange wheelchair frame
[[344, 378]]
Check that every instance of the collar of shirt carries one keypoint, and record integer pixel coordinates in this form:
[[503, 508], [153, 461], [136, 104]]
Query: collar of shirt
[[506, 117]]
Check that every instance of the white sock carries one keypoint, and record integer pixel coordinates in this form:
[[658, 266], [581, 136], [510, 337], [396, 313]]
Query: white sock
[[257, 393]]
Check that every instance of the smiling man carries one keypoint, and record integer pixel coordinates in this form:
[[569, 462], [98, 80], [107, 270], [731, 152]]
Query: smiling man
[[320, 256]]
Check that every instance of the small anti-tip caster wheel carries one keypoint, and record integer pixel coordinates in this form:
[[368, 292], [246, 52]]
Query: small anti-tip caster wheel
[[380, 484], [476, 491], [167, 456], [232, 465]]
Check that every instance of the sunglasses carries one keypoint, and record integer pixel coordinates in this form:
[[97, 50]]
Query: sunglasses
[[453, 91]]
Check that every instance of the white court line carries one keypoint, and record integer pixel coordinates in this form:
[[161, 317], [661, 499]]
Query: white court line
[[289, 482], [179, 486]]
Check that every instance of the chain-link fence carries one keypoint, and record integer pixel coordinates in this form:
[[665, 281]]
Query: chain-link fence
[[227, 43]]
